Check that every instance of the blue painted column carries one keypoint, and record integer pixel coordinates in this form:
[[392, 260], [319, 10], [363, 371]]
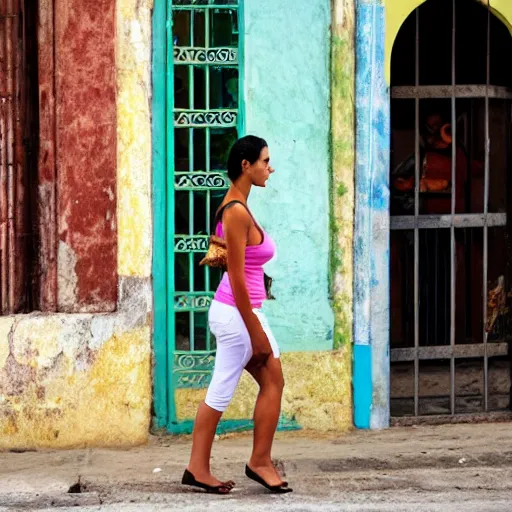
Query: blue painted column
[[371, 240]]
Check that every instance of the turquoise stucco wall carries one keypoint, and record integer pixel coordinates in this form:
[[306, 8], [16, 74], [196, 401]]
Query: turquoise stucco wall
[[287, 48]]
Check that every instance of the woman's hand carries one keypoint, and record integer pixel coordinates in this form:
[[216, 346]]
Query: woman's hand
[[261, 348]]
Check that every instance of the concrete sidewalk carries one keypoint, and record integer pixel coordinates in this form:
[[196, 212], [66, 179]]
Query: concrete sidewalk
[[363, 469]]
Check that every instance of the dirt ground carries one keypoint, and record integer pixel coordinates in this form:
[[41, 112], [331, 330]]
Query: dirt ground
[[450, 467]]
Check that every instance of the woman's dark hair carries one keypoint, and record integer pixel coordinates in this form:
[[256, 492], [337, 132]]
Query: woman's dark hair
[[247, 148]]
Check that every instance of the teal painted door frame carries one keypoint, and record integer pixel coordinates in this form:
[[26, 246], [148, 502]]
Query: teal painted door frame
[[159, 200], [174, 368]]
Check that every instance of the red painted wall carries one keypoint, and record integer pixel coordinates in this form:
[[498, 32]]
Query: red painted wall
[[85, 154]]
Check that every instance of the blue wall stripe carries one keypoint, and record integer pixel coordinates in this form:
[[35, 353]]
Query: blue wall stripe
[[362, 385], [371, 239]]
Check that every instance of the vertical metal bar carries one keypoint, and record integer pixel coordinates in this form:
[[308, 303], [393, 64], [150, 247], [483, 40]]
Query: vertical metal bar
[[486, 209], [416, 214], [191, 166], [191, 266], [207, 159], [11, 235], [452, 228]]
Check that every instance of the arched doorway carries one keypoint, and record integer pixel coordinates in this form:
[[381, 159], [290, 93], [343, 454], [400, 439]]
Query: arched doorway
[[450, 201]]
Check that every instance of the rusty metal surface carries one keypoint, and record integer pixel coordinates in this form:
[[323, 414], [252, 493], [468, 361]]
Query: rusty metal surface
[[471, 350], [460, 221], [13, 216], [446, 91]]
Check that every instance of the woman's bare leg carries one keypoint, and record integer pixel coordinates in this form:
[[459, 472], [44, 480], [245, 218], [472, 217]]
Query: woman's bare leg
[[266, 416], [205, 426]]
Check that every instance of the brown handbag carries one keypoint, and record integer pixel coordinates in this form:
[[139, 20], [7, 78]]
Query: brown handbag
[[217, 254]]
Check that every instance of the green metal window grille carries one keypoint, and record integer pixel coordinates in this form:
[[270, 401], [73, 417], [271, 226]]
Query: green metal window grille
[[204, 69]]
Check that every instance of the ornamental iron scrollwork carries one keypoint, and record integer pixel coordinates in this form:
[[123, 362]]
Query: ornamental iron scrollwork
[[216, 56], [201, 181], [194, 243], [189, 301], [204, 3], [193, 370], [191, 118]]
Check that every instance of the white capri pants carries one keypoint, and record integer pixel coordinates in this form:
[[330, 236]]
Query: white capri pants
[[234, 350]]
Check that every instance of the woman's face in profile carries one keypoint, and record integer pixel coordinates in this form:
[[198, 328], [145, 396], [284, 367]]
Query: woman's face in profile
[[260, 170]]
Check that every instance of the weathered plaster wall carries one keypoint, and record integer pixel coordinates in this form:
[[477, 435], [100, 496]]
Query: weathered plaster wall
[[85, 379], [371, 237], [76, 380], [343, 146], [322, 401], [134, 137], [85, 92], [342, 188], [287, 102]]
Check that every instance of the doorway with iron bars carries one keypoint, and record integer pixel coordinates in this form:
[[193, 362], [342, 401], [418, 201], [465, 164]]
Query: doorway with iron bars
[[450, 177]]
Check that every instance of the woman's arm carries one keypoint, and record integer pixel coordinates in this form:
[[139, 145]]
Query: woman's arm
[[236, 225]]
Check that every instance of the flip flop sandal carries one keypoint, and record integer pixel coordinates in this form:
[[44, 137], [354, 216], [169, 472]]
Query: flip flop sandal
[[277, 489], [189, 479]]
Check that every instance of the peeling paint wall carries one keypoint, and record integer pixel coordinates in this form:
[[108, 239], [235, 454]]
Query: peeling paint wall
[[76, 380], [371, 237], [85, 134], [342, 187], [343, 147], [85, 379], [134, 137]]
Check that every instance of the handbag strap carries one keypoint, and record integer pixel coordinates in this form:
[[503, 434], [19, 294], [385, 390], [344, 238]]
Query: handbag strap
[[218, 217]]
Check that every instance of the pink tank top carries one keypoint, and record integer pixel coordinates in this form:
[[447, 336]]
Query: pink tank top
[[255, 257]]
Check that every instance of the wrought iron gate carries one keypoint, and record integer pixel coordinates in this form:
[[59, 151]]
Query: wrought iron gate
[[450, 178], [204, 101]]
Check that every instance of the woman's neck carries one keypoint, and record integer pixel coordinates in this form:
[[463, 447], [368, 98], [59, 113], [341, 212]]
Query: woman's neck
[[241, 188]]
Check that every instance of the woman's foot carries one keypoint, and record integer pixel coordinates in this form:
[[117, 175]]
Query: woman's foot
[[214, 488], [280, 488], [207, 478], [267, 472]]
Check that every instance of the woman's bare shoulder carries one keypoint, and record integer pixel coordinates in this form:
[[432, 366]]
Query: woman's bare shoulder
[[236, 213]]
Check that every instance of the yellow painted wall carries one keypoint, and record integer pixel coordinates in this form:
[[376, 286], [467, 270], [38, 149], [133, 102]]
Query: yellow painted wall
[[79, 380], [397, 12], [134, 137], [67, 394], [322, 401]]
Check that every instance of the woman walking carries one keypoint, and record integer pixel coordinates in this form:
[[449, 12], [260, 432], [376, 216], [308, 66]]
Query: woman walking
[[244, 339]]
